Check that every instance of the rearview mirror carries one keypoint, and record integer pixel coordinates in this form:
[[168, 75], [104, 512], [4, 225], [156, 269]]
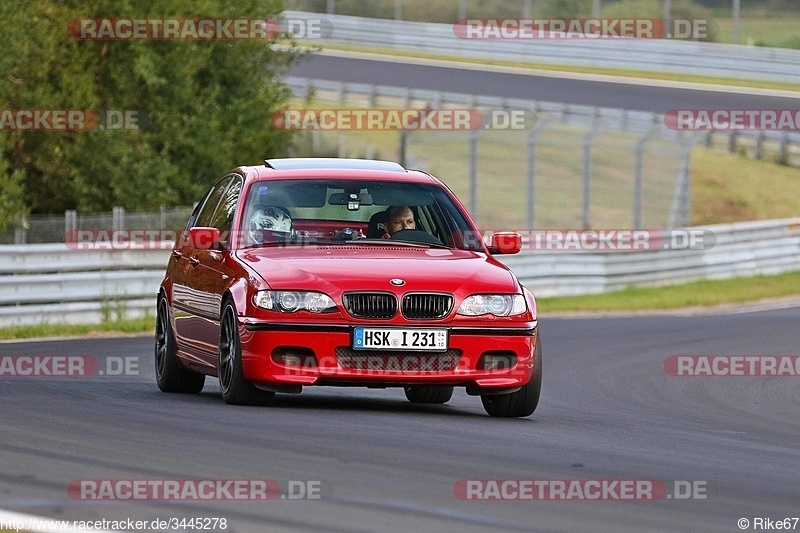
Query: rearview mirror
[[506, 242], [204, 238]]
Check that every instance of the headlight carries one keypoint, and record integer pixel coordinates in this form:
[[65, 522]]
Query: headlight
[[493, 304], [293, 301]]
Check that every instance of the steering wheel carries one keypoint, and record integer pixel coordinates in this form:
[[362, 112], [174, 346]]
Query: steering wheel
[[415, 235]]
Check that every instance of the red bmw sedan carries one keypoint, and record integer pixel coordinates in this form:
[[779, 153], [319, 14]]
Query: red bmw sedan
[[344, 272]]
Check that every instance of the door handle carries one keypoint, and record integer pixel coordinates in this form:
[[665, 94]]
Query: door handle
[[177, 254]]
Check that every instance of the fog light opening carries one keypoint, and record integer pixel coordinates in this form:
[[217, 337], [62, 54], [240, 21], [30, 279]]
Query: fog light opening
[[294, 356], [494, 361]]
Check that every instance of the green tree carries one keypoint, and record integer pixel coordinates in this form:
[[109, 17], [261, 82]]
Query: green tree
[[207, 104], [12, 204]]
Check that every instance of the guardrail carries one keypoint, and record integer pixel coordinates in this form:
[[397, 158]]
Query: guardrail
[[741, 249], [52, 283], [660, 55]]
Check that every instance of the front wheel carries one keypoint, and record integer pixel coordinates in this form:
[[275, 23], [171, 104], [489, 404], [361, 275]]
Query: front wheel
[[169, 375], [524, 401], [429, 394], [236, 390]]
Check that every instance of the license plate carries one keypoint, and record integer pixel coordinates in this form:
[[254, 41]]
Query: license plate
[[400, 339]]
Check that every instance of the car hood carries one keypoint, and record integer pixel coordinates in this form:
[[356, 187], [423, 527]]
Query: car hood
[[336, 269]]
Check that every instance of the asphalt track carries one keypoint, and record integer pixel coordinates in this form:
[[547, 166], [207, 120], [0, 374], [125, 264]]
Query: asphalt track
[[608, 411], [407, 72]]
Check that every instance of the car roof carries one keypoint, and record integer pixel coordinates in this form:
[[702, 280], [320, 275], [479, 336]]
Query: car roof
[[296, 163], [336, 168]]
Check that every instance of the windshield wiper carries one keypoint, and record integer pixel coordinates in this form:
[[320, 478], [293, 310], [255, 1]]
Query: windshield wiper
[[268, 245], [407, 244]]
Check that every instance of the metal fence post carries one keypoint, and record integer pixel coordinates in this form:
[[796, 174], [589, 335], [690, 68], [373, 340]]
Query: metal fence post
[[372, 95], [759, 152], [680, 210], [686, 168], [532, 179], [330, 7], [533, 137], [398, 9], [588, 140], [638, 179], [20, 233], [70, 222], [785, 148], [473, 173], [402, 147], [118, 218]]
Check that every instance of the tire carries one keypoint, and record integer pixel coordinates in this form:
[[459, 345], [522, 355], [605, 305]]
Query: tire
[[235, 389], [429, 394], [524, 401], [170, 376]]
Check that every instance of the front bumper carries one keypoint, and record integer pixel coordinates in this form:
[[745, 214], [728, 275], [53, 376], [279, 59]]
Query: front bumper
[[291, 354]]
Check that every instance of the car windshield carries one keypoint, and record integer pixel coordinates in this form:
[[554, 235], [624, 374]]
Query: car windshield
[[328, 211]]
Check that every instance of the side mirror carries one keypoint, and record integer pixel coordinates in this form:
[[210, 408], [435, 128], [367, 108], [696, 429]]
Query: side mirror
[[506, 242], [204, 238]]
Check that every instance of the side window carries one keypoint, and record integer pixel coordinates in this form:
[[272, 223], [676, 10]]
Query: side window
[[223, 217], [196, 211], [206, 214]]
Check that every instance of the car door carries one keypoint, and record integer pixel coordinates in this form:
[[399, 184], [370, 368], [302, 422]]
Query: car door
[[188, 305], [215, 270]]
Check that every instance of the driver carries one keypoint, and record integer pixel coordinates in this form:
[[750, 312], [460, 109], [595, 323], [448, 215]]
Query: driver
[[399, 218], [272, 222]]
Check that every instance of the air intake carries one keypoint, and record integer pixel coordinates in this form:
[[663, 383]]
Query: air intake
[[371, 305], [427, 306]]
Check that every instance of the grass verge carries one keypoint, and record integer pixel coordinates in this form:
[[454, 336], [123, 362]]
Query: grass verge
[[139, 325], [698, 293], [704, 293]]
